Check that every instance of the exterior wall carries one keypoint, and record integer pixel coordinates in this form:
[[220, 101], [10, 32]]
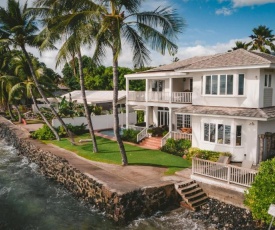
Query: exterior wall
[[100, 121], [249, 148], [251, 96], [266, 126]]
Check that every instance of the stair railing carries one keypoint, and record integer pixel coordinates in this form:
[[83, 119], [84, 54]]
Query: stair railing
[[165, 138], [142, 134]]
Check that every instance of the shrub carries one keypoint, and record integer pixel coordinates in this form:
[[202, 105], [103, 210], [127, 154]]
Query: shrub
[[176, 147], [44, 133], [262, 192], [78, 129], [130, 135], [205, 154]]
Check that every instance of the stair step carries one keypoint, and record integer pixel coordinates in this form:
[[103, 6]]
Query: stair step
[[188, 188], [195, 203], [189, 193], [197, 195], [197, 206], [183, 183]]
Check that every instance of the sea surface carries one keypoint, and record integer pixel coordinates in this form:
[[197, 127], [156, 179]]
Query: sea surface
[[29, 201]]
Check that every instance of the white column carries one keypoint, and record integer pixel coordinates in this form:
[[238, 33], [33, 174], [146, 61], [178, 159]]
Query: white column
[[170, 119], [126, 104], [146, 89], [147, 116], [127, 116], [170, 89]]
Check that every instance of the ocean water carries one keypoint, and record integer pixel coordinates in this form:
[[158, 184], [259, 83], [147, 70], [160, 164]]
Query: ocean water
[[30, 201]]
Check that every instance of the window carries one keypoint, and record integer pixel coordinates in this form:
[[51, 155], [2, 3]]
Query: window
[[157, 86], [267, 80], [211, 86], [241, 84], [223, 133], [225, 84], [209, 132], [183, 121], [179, 121], [238, 135]]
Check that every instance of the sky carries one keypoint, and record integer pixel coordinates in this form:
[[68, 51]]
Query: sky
[[212, 26]]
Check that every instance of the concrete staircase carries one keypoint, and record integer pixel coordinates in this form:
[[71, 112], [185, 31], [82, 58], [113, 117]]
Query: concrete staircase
[[151, 143], [192, 194]]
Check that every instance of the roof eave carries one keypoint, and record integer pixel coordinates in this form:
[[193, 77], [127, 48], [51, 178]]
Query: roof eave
[[226, 68], [155, 75]]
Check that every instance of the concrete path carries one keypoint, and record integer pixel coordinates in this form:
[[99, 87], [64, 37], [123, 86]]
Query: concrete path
[[118, 178]]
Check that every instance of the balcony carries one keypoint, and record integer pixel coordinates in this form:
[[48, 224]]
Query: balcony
[[176, 97]]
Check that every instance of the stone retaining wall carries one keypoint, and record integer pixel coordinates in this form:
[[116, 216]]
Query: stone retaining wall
[[119, 207]]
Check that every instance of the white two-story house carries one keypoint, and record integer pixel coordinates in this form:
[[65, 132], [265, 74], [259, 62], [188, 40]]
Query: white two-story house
[[227, 99]]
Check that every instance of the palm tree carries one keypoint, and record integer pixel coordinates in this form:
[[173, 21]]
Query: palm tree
[[262, 39], [241, 45], [18, 28], [71, 21], [122, 20], [26, 86]]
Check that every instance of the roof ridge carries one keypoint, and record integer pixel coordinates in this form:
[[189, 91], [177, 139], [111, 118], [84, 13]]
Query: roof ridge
[[254, 53]]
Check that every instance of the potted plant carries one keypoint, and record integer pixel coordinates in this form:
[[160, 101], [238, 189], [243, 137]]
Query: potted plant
[[149, 132]]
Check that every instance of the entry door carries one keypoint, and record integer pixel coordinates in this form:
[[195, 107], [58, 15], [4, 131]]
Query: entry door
[[163, 116]]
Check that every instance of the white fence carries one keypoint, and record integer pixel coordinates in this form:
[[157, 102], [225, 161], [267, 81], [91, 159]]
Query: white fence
[[99, 121], [223, 172], [176, 136]]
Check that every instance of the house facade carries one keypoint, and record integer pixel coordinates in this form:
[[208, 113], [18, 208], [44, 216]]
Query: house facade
[[226, 100]]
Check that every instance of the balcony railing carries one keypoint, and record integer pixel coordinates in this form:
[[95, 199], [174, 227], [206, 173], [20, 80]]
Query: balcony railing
[[136, 96], [176, 97], [223, 172]]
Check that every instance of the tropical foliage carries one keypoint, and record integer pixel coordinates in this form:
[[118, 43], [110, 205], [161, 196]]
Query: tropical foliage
[[262, 193]]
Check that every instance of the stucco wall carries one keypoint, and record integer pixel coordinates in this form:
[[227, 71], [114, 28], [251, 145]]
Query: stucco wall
[[250, 98], [99, 121], [249, 137]]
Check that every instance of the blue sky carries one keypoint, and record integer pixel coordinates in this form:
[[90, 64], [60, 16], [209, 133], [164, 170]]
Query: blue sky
[[213, 26]]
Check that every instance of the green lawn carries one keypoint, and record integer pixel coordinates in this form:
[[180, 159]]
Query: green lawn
[[109, 153]]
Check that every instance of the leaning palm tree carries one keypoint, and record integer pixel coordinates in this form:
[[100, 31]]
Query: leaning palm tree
[[71, 21], [26, 86], [262, 39], [122, 21], [18, 28]]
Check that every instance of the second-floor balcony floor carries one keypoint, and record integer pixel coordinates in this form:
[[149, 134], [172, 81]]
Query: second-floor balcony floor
[[174, 97]]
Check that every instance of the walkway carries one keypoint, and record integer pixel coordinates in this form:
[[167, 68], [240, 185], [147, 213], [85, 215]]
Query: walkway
[[118, 178]]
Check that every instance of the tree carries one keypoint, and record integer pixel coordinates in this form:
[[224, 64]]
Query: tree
[[122, 20], [262, 192], [26, 87], [262, 39], [241, 45], [70, 20], [18, 28]]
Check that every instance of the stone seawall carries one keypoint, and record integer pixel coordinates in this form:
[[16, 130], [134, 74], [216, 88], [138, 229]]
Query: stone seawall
[[121, 207]]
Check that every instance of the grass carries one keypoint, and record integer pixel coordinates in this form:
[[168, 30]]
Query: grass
[[109, 153]]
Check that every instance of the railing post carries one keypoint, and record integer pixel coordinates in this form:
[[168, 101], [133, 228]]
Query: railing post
[[228, 174], [193, 165]]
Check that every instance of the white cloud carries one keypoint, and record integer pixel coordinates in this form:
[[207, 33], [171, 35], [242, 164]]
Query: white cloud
[[241, 3], [224, 11]]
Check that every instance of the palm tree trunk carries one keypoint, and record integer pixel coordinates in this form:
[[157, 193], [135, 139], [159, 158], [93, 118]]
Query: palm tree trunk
[[87, 112], [10, 112], [44, 118], [115, 110], [44, 96], [19, 114]]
